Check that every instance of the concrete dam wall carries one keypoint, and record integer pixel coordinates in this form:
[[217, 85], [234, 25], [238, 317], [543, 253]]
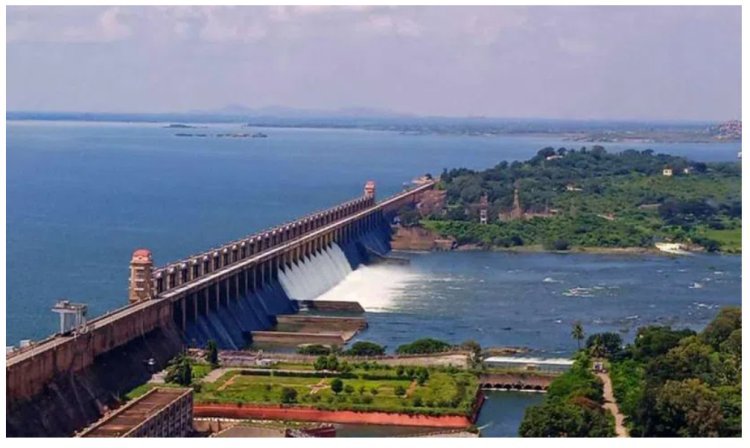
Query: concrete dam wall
[[73, 399]]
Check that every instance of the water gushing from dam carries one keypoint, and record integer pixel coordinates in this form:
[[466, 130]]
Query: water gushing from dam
[[307, 279], [315, 275]]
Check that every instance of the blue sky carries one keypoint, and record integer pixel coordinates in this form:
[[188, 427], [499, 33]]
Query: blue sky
[[554, 62]]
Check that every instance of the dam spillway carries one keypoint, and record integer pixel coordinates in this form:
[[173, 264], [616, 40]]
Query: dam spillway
[[58, 385]]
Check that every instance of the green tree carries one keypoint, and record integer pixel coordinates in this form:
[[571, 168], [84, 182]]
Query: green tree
[[313, 349], [349, 389], [366, 348], [475, 352], [399, 390], [611, 343], [212, 353], [562, 419], [577, 333], [688, 408], [597, 348], [181, 371], [424, 345], [321, 363], [337, 386], [288, 395], [721, 327]]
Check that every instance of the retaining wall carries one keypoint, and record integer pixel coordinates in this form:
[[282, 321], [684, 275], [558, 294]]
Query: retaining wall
[[298, 413]]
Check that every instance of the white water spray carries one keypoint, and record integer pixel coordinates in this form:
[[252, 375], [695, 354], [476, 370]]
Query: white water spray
[[312, 276], [377, 288], [327, 275]]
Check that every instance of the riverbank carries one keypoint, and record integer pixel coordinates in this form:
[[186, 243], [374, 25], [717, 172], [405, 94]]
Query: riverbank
[[421, 239]]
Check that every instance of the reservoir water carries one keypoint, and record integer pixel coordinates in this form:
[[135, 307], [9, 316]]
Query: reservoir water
[[81, 196]]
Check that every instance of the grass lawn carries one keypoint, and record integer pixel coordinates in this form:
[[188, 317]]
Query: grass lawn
[[442, 393], [367, 386]]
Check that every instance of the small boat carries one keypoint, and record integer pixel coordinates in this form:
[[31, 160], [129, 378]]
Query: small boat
[[259, 135]]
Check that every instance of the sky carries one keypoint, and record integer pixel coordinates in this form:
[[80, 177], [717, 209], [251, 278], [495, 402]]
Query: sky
[[633, 63]]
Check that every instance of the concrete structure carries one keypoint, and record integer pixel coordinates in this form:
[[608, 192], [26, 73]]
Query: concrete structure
[[141, 270], [44, 376], [549, 365], [161, 412], [72, 315], [370, 189], [483, 205], [516, 212]]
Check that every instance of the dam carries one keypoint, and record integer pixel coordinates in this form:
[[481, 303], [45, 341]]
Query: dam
[[58, 385]]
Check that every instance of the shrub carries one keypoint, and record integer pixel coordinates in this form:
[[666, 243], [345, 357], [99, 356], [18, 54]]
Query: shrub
[[337, 385], [365, 348], [314, 349], [288, 395], [399, 390], [425, 345]]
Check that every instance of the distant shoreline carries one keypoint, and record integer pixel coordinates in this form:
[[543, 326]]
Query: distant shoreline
[[588, 132]]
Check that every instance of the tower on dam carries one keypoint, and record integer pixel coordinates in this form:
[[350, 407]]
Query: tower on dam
[[370, 189], [141, 269]]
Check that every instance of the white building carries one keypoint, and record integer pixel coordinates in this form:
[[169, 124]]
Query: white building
[[549, 365]]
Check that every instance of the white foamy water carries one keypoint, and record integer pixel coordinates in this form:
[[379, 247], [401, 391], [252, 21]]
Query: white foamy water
[[376, 288], [315, 275]]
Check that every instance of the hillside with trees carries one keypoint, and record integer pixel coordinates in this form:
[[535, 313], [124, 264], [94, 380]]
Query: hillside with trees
[[678, 383], [567, 198], [667, 383]]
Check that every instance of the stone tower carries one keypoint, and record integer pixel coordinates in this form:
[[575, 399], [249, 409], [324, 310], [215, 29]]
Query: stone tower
[[483, 204], [141, 267], [370, 189], [517, 211]]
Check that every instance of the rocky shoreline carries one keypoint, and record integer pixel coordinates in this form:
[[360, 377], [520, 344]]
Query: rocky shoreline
[[419, 239]]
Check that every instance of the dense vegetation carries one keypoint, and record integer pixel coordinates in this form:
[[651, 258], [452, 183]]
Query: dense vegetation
[[572, 407], [679, 383], [591, 198]]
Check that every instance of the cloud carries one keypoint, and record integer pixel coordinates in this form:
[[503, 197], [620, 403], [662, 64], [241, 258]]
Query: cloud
[[40, 24]]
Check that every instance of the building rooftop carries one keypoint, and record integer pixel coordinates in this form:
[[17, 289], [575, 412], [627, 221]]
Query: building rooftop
[[541, 361], [130, 416]]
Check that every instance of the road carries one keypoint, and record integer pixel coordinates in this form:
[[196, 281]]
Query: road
[[610, 404]]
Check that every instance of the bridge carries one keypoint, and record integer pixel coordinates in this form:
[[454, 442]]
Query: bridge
[[172, 299]]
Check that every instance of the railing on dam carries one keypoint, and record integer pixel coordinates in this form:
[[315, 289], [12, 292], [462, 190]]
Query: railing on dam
[[195, 266]]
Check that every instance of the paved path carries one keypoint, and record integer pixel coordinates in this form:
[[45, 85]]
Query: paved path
[[610, 404]]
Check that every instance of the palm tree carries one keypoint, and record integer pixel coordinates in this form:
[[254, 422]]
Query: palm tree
[[577, 333], [597, 349]]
